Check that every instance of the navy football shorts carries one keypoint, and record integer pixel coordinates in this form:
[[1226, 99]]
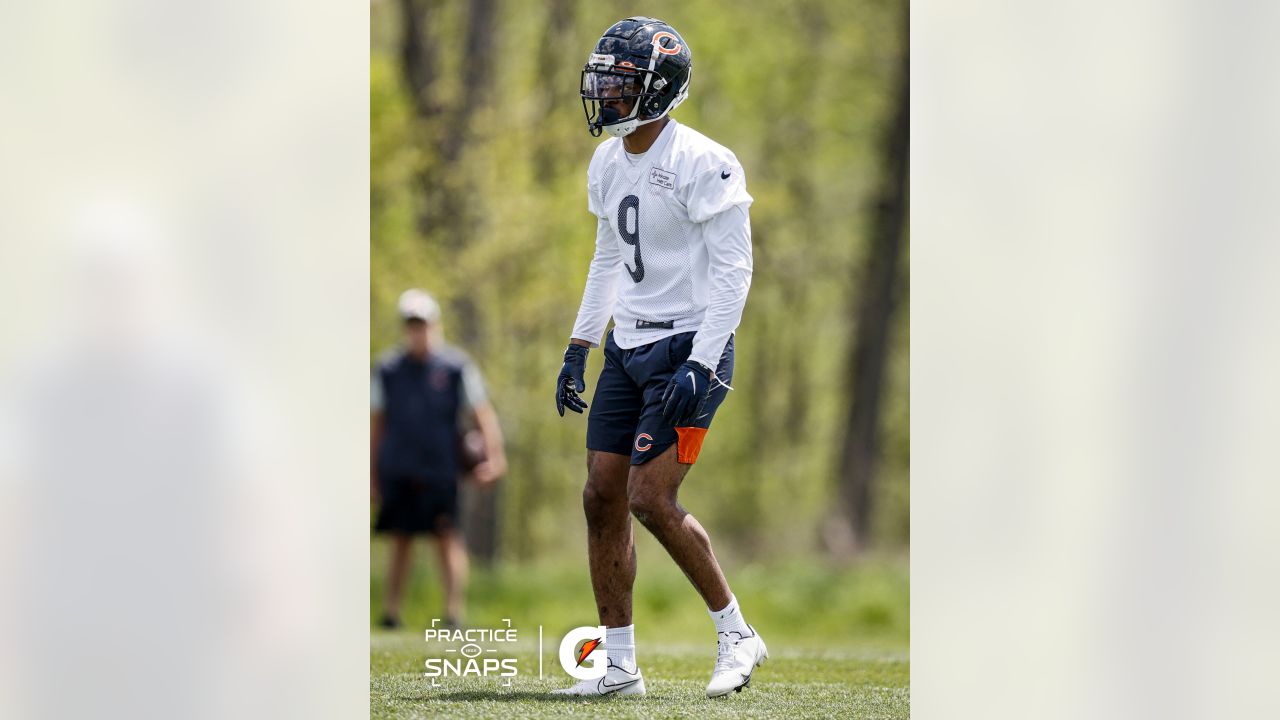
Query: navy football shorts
[[416, 505], [626, 412]]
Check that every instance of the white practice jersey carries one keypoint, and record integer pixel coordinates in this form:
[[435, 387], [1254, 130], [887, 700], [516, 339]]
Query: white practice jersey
[[673, 243]]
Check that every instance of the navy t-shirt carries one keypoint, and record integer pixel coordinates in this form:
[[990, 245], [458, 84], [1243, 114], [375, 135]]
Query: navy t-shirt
[[422, 404]]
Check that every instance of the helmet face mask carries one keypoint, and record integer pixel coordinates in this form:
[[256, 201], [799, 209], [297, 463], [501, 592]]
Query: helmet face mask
[[638, 73], [614, 98]]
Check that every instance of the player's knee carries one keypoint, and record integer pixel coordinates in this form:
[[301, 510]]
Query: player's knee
[[598, 502], [652, 509], [593, 503]]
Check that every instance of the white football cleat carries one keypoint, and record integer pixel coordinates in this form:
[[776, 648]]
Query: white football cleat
[[736, 658], [617, 681]]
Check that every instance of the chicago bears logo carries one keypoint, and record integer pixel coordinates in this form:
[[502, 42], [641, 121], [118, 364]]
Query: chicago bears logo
[[671, 48], [644, 441]]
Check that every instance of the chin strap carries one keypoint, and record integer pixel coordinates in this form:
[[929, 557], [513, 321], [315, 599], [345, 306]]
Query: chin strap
[[638, 123]]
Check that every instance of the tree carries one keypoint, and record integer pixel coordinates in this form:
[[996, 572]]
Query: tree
[[874, 310], [448, 219]]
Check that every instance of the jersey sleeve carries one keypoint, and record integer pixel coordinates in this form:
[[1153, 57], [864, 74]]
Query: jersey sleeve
[[595, 201], [602, 287], [717, 198], [716, 189], [728, 238]]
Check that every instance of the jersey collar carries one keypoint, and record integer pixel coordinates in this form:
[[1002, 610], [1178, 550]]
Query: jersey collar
[[655, 151]]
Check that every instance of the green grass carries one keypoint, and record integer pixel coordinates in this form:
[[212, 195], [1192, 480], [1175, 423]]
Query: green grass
[[838, 641], [794, 683]]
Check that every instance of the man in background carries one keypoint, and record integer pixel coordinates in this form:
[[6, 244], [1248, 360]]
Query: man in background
[[424, 395]]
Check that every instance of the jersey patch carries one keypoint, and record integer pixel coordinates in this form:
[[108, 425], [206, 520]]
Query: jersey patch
[[662, 178], [655, 324]]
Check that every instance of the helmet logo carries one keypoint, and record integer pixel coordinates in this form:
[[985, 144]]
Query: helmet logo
[[664, 35]]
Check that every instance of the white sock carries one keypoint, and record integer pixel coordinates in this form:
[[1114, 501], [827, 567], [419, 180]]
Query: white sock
[[729, 619], [620, 646]]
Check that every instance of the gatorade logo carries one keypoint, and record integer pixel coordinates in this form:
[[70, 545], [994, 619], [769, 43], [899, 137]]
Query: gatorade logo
[[582, 653]]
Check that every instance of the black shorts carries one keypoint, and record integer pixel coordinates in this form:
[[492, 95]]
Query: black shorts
[[416, 506], [626, 412]]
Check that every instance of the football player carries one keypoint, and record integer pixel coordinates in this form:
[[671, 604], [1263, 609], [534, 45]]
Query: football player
[[672, 267]]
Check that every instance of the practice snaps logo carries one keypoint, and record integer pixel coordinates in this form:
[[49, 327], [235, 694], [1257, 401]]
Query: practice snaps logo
[[491, 653], [582, 653], [472, 658]]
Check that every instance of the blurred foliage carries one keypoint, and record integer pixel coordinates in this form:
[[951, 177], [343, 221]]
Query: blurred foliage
[[800, 92], [801, 602]]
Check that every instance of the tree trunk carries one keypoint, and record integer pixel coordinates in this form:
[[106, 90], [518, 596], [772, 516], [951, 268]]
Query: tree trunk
[[456, 198], [478, 508], [444, 210], [874, 311], [481, 522], [547, 158], [418, 56]]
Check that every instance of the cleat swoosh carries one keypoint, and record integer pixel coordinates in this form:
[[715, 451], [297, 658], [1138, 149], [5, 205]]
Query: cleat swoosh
[[606, 688]]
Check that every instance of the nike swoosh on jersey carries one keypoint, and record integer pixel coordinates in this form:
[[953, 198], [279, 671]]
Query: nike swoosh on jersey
[[724, 176]]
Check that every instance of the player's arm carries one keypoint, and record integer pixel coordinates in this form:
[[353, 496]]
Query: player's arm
[[718, 201], [728, 236], [601, 290], [598, 298]]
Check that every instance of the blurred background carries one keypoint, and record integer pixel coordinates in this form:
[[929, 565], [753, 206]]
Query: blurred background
[[183, 272], [479, 152], [1094, 301]]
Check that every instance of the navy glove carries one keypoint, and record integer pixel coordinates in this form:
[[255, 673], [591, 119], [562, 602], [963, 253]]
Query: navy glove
[[686, 394], [570, 382]]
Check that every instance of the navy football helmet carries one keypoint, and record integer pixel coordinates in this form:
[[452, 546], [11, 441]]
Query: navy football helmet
[[638, 73]]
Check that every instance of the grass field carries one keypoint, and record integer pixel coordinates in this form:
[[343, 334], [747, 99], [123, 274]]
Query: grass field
[[794, 683], [838, 642]]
